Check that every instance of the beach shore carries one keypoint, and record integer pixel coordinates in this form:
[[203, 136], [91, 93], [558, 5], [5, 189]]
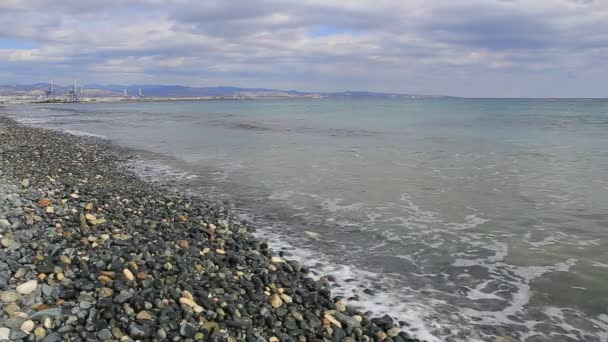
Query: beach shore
[[89, 251]]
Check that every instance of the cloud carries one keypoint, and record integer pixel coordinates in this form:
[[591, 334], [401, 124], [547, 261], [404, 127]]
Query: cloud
[[467, 47]]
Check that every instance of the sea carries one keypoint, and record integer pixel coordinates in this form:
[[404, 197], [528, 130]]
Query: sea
[[466, 219]]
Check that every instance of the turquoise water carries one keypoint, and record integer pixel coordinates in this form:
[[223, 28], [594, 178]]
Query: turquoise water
[[469, 219]]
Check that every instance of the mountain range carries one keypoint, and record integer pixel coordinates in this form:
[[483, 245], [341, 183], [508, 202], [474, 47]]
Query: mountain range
[[177, 91]]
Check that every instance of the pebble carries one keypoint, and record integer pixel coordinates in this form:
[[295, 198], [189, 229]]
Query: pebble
[[27, 287], [39, 333], [275, 300], [5, 333], [9, 296], [6, 242], [27, 326], [104, 334], [332, 320], [143, 315], [128, 274]]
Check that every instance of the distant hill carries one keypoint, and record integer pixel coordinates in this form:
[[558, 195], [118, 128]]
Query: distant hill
[[155, 90]]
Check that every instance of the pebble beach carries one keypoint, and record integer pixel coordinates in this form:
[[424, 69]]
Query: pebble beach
[[90, 252]]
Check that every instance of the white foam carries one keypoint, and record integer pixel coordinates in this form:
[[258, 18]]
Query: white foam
[[85, 134], [158, 171]]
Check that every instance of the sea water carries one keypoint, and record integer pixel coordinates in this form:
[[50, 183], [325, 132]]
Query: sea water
[[467, 219]]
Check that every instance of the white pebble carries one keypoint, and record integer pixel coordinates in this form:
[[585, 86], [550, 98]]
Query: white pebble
[[27, 287]]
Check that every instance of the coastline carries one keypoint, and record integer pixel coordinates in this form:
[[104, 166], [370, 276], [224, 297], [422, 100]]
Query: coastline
[[105, 255]]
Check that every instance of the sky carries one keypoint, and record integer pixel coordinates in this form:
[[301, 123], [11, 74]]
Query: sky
[[472, 48]]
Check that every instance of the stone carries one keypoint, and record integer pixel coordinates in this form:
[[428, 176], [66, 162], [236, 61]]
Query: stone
[[65, 259], [189, 302], [143, 315], [4, 223], [275, 300], [340, 306], [128, 274], [10, 308], [27, 326], [27, 287], [39, 333], [4, 333], [9, 296], [47, 322], [182, 243], [138, 331], [52, 313], [312, 319], [52, 337], [287, 299], [6, 242], [105, 292], [276, 259], [17, 334], [25, 183], [393, 332], [332, 320], [45, 202], [104, 334]]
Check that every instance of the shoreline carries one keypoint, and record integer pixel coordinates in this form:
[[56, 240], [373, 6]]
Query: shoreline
[[105, 255]]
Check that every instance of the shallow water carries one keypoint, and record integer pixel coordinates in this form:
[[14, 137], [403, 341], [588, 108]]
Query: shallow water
[[469, 219]]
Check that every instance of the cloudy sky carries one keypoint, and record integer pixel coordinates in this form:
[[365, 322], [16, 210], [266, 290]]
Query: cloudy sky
[[547, 48]]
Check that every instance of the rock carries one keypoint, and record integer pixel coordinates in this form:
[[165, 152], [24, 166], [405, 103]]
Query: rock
[[9, 296], [89, 206], [351, 322], [90, 218], [27, 326], [182, 243], [275, 300], [312, 319], [4, 333], [143, 315], [4, 223], [10, 308], [53, 337], [25, 183], [138, 331], [128, 274], [189, 302], [332, 320], [39, 333], [340, 306], [52, 313], [47, 322], [104, 334], [276, 259], [27, 287], [393, 332], [105, 292], [6, 242], [65, 259], [45, 202], [17, 334], [287, 299], [186, 330]]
